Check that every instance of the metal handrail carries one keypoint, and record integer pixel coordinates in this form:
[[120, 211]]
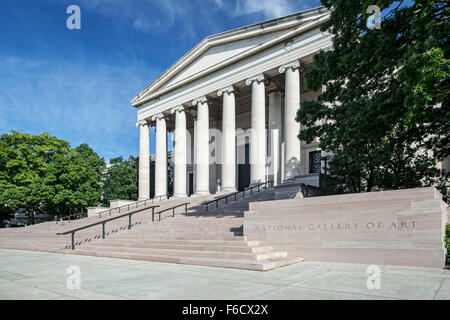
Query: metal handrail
[[103, 223], [173, 210], [206, 204], [131, 204]]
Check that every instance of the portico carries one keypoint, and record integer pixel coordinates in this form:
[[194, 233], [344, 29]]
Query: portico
[[231, 104]]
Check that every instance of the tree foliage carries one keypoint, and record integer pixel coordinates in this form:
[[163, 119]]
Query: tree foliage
[[121, 180], [43, 173], [384, 113]]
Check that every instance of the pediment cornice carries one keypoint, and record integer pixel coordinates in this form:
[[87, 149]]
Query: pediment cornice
[[293, 24]]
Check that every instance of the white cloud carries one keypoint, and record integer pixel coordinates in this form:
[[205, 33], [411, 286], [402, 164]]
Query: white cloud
[[269, 8], [143, 15], [145, 26], [219, 3]]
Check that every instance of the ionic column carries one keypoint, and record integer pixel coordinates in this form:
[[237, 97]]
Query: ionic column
[[275, 136], [144, 161], [161, 156], [202, 150], [228, 139], [258, 130], [179, 153], [291, 127]]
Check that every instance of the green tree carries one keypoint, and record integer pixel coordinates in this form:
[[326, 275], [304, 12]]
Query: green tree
[[385, 111], [42, 173], [25, 161], [76, 179], [121, 180]]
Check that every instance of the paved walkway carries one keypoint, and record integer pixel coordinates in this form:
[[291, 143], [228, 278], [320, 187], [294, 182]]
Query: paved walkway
[[36, 275]]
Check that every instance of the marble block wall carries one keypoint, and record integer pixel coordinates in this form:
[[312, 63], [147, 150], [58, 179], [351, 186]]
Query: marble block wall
[[402, 227]]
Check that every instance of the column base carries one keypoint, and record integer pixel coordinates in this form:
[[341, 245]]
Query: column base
[[179, 196], [202, 193]]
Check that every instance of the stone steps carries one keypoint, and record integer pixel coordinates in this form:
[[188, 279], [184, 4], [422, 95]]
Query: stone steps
[[195, 236], [206, 246], [208, 242], [213, 238], [269, 255], [176, 229], [33, 247], [212, 262]]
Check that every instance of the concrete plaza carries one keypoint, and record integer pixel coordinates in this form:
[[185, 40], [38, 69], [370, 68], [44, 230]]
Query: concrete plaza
[[37, 275]]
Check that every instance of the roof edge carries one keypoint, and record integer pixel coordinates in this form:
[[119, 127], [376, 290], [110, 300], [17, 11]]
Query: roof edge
[[203, 45]]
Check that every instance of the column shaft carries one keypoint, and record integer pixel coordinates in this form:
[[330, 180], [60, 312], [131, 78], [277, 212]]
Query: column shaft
[[291, 127], [144, 162], [202, 150], [275, 136], [161, 157], [228, 140], [180, 155], [258, 131]]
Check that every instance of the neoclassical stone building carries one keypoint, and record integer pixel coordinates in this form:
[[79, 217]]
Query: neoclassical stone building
[[231, 104]]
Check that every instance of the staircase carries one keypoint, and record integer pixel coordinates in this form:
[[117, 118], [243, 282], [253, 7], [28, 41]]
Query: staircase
[[213, 238]]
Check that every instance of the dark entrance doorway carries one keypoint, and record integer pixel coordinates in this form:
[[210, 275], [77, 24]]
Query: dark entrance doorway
[[314, 161], [191, 184], [244, 170]]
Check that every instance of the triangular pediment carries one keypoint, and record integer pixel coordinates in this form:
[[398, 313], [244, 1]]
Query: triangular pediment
[[219, 54], [216, 50]]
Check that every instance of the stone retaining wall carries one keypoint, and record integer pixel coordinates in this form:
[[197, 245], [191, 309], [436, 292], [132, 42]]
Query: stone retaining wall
[[402, 227]]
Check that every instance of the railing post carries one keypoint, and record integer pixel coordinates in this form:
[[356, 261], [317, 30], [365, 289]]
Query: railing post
[[153, 214], [206, 207], [129, 221], [73, 240], [103, 230], [258, 187], [185, 208]]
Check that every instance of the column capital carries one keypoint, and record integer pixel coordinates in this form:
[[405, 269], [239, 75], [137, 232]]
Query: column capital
[[294, 65], [142, 123], [201, 99], [228, 90], [176, 109], [158, 116], [259, 77]]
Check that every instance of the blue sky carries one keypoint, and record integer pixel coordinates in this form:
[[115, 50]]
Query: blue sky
[[77, 84]]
